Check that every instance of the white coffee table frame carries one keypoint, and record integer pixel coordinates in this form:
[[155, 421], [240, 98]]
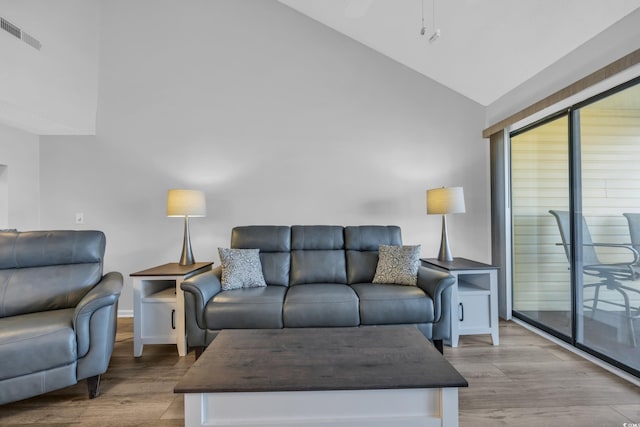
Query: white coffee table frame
[[355, 377], [344, 408]]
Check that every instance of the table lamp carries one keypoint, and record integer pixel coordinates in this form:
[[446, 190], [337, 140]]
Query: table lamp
[[186, 203], [445, 201]]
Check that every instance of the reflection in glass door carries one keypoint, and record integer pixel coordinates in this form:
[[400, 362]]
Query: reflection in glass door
[[610, 167], [540, 184]]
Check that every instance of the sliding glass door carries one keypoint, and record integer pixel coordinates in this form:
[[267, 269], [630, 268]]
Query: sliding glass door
[[575, 184], [540, 184]]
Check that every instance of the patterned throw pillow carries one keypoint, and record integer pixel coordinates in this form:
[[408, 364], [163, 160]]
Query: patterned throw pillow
[[398, 265], [241, 268]]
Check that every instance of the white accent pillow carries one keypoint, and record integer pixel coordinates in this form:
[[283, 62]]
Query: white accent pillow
[[241, 268], [398, 265]]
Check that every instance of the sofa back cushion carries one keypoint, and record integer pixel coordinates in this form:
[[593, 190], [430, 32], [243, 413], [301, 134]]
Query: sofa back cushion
[[361, 243], [48, 270], [274, 242], [317, 254]]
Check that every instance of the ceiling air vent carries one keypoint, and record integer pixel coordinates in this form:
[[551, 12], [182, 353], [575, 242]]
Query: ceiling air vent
[[10, 28], [18, 33]]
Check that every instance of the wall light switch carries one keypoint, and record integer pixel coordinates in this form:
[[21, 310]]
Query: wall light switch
[[79, 218]]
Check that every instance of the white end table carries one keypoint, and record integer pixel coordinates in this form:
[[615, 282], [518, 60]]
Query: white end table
[[474, 300], [158, 305]]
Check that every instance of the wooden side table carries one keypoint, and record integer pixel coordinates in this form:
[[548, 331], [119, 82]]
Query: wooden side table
[[474, 302], [158, 305]]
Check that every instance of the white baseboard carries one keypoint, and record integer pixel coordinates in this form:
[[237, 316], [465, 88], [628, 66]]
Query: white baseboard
[[125, 313]]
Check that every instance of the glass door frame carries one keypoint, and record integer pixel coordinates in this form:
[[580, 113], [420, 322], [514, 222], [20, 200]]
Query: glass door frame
[[515, 313]]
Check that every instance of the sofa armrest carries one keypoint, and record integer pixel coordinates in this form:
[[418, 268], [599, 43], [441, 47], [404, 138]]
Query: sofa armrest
[[199, 289], [104, 293], [435, 283]]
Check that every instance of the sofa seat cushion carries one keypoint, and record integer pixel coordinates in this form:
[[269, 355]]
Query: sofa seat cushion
[[246, 308], [387, 304], [35, 342], [320, 305]]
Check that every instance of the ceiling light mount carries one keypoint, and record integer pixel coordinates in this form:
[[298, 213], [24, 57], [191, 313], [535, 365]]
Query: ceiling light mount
[[435, 36], [423, 30]]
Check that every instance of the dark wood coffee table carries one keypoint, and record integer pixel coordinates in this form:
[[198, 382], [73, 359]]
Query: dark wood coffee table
[[368, 376]]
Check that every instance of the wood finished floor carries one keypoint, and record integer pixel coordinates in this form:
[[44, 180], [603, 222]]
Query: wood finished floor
[[526, 381]]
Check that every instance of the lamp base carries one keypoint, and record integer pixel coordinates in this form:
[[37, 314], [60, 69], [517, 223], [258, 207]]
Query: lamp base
[[187, 255], [445, 252]]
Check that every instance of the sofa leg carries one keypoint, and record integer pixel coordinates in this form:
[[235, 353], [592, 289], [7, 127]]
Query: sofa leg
[[199, 350], [93, 383], [439, 346]]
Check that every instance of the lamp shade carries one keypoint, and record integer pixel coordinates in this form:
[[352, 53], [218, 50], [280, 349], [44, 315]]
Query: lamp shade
[[186, 203], [445, 200]]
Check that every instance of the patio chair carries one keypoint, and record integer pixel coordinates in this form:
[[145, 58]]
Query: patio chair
[[610, 275], [634, 229]]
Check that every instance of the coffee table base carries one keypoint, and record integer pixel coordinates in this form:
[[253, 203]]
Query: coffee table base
[[424, 407]]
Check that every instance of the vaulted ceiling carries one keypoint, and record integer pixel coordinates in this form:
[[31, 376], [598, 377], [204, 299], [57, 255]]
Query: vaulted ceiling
[[486, 47]]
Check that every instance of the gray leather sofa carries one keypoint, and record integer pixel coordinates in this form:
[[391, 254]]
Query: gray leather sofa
[[57, 311], [317, 276]]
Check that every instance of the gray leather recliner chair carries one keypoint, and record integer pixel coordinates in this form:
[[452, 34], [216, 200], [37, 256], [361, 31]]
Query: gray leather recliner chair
[[57, 311]]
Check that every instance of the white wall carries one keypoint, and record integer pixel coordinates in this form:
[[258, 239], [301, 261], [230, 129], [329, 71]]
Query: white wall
[[279, 119], [19, 179], [53, 90], [603, 49]]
